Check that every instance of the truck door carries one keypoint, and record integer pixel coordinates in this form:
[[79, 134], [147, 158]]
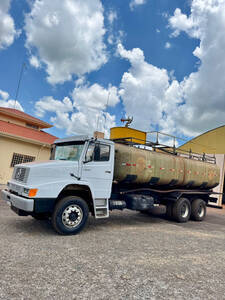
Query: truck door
[[98, 168]]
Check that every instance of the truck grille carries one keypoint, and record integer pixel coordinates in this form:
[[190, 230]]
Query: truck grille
[[21, 174]]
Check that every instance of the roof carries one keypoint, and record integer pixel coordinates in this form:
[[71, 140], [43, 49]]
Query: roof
[[27, 133], [210, 142], [22, 115]]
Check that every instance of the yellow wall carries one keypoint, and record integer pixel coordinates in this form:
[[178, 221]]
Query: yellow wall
[[8, 146], [211, 142]]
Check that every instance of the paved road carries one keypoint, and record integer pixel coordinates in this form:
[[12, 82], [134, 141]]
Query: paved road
[[128, 256]]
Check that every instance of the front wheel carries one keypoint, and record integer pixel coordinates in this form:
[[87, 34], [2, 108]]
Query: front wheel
[[70, 215], [182, 210]]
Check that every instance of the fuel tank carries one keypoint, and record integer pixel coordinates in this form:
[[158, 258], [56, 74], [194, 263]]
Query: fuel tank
[[139, 166]]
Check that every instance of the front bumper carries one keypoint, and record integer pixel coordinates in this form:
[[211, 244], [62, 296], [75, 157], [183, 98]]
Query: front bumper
[[18, 201]]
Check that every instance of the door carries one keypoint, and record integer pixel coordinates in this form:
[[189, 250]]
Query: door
[[98, 168]]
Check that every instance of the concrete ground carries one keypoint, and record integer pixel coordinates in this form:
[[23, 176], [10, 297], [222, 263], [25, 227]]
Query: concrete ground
[[128, 256]]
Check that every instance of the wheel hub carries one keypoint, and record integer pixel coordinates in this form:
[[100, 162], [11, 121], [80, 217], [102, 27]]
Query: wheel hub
[[200, 211], [184, 210], [72, 216]]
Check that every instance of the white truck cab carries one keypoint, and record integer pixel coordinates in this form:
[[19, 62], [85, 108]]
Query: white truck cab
[[76, 180]]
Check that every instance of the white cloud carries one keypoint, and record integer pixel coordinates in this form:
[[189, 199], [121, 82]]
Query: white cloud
[[86, 114], [95, 96], [143, 89], [135, 3], [114, 36], [180, 22], [35, 62], [110, 39], [196, 104], [6, 102], [204, 90], [4, 95], [51, 105], [67, 36], [167, 45], [112, 16], [7, 27]]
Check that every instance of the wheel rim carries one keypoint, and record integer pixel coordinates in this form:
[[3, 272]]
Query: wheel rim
[[201, 211], [72, 216], [184, 210]]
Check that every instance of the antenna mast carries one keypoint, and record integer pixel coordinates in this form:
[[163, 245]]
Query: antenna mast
[[106, 108], [18, 86]]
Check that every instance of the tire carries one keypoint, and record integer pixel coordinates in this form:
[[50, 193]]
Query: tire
[[169, 211], [40, 217], [70, 215], [198, 210], [182, 210]]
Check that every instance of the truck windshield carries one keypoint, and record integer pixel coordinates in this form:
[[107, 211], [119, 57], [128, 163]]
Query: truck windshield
[[68, 151]]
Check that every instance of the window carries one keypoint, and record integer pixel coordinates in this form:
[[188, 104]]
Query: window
[[104, 152], [97, 152], [21, 158], [90, 151], [68, 151]]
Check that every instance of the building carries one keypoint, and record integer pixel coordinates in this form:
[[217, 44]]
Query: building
[[22, 139], [211, 142]]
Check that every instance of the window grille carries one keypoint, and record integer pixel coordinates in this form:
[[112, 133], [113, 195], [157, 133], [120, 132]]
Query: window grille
[[21, 158]]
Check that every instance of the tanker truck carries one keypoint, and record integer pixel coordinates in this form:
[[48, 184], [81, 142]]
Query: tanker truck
[[87, 175]]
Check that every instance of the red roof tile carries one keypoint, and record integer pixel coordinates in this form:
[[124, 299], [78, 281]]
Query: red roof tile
[[27, 133], [21, 115]]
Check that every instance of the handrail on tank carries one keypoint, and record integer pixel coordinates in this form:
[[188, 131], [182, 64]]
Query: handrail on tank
[[136, 142], [193, 155]]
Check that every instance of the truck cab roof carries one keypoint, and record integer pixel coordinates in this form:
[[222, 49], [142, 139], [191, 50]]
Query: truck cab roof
[[81, 138]]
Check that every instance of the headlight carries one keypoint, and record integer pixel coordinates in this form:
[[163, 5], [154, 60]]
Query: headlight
[[26, 191], [30, 192]]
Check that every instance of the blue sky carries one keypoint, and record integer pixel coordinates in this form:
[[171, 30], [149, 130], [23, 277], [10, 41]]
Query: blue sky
[[160, 61]]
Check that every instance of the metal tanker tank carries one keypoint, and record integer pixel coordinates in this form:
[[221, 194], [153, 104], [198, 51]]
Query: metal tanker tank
[[135, 165]]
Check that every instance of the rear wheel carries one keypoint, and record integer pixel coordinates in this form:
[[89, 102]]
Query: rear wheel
[[198, 210], [70, 215], [181, 210]]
